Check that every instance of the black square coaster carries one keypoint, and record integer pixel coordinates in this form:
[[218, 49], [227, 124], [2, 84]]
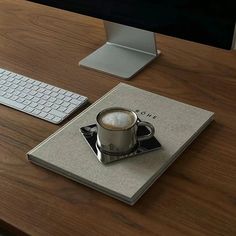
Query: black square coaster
[[90, 134]]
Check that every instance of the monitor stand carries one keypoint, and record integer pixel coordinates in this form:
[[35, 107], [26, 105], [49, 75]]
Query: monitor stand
[[126, 52], [234, 39]]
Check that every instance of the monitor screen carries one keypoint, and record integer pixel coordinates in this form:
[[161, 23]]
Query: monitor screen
[[209, 22]]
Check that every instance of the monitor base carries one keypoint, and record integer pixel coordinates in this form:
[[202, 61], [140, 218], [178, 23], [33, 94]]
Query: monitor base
[[127, 51]]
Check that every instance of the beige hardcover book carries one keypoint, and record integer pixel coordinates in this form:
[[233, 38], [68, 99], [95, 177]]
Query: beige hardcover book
[[66, 152]]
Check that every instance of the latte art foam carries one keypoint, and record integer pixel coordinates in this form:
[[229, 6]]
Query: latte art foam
[[117, 119]]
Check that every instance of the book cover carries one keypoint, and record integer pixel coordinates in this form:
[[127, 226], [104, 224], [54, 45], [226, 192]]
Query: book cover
[[176, 126]]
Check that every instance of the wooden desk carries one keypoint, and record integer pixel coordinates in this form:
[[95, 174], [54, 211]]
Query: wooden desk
[[195, 196]]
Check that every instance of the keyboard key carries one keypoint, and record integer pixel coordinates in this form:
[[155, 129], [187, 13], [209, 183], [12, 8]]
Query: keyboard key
[[36, 82], [49, 104], [10, 90], [70, 108], [55, 89], [4, 88], [39, 95], [47, 92], [2, 93], [32, 104], [75, 101], [58, 101], [41, 101], [35, 88], [24, 79], [62, 91], [36, 112], [69, 93], [10, 79], [75, 96], [35, 99], [57, 113], [22, 95], [39, 107], [14, 86], [51, 99], [28, 85], [27, 102], [16, 93], [22, 83], [65, 104], [12, 75], [54, 94], [7, 84], [60, 96], [20, 88], [62, 109], [32, 92], [82, 98], [67, 99], [42, 114], [50, 117], [28, 109], [29, 97], [56, 119], [18, 76], [41, 90], [4, 77], [6, 72], [45, 97], [47, 109], [31, 81], [43, 85], [55, 106], [26, 90], [21, 100], [11, 103], [7, 95], [13, 97], [49, 86]]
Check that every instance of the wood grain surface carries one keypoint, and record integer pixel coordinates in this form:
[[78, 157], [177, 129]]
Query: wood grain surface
[[195, 196]]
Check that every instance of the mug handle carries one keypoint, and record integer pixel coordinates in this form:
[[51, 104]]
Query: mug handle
[[150, 128]]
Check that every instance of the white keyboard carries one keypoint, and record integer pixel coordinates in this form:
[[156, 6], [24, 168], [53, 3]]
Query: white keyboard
[[36, 98]]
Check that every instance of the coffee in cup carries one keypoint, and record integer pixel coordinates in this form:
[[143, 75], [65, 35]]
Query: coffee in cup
[[116, 119], [117, 131]]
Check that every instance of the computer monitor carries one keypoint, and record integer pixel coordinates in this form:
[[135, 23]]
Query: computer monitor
[[130, 24]]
